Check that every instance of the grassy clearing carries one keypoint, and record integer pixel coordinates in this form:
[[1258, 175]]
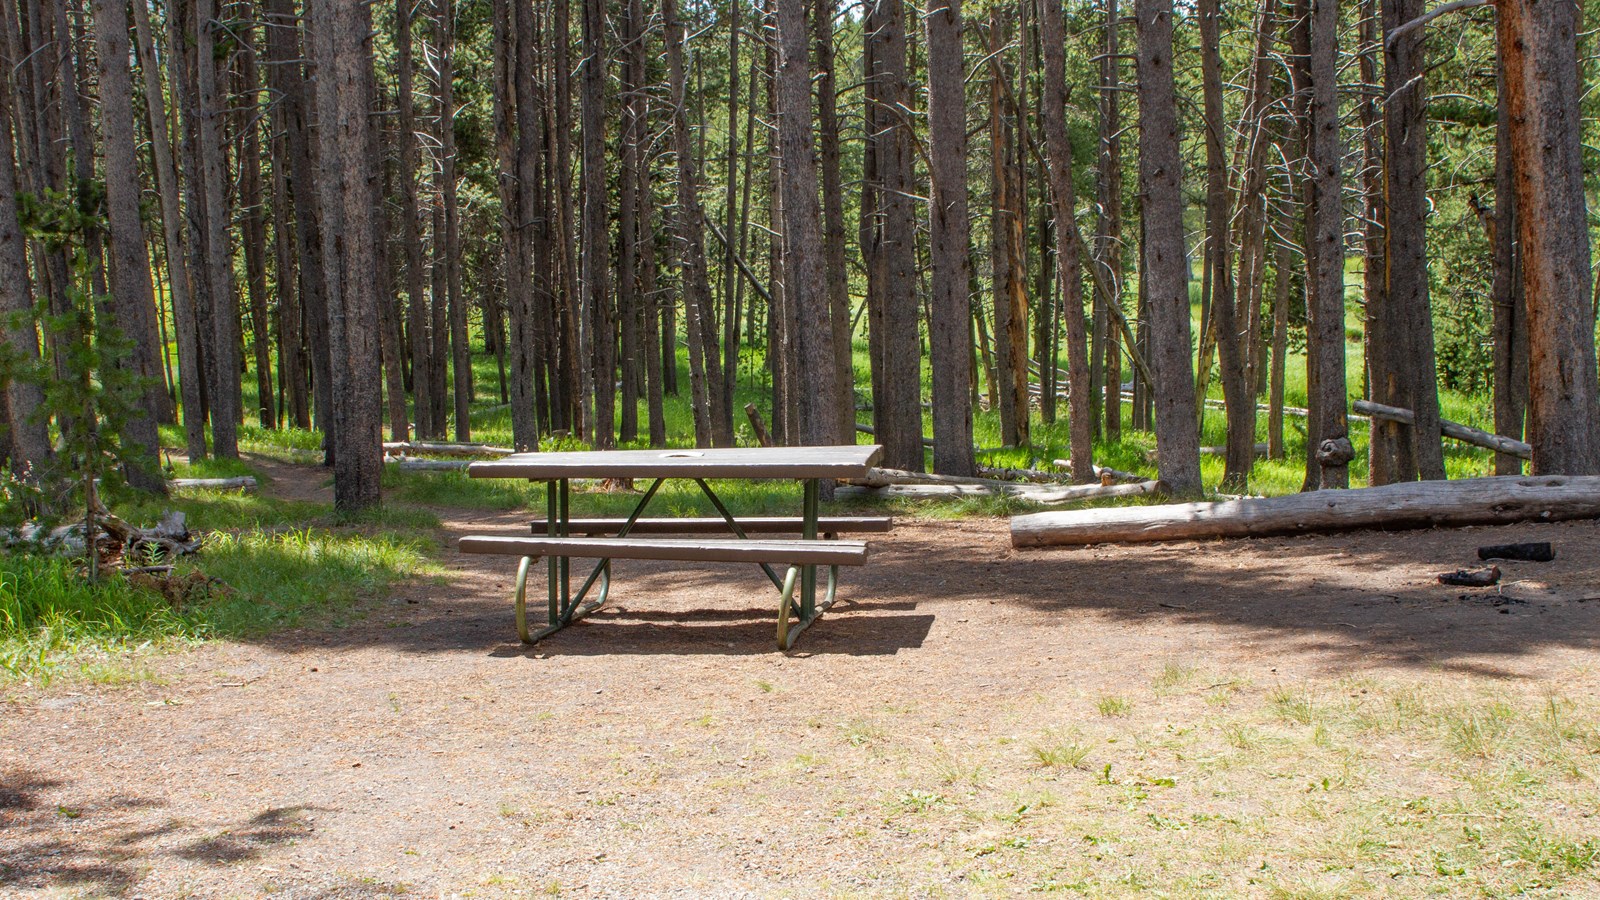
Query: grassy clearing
[[279, 564], [1202, 785]]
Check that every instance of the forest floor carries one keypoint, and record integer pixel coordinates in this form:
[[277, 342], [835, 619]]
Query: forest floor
[[1308, 717]]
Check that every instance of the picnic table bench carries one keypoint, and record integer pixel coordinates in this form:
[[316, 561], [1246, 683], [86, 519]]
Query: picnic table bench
[[605, 539]]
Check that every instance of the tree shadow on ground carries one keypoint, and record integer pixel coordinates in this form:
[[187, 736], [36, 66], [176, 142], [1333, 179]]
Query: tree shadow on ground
[[1358, 596], [51, 839]]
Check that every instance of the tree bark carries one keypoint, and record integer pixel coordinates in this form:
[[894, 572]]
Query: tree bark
[[596, 337], [805, 289], [949, 305], [349, 193], [1080, 414], [1401, 363], [1325, 247], [223, 383], [411, 229], [28, 426], [132, 292], [1538, 44], [1165, 270], [712, 427], [460, 350]]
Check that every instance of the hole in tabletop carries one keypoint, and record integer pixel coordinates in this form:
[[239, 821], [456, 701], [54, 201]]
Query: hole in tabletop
[[682, 454]]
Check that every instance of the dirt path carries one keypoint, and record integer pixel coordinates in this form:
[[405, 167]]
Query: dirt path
[[664, 749]]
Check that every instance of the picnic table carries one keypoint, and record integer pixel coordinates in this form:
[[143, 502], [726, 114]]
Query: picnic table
[[560, 538]]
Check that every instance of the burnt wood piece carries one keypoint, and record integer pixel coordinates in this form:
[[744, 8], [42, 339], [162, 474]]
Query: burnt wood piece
[[826, 553], [756, 524], [1539, 551], [1471, 577], [852, 461]]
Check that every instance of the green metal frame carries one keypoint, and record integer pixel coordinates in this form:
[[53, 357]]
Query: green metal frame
[[795, 614]]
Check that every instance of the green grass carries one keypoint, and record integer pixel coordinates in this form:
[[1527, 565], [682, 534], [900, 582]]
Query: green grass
[[275, 564]]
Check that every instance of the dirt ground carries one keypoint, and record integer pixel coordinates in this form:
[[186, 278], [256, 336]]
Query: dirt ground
[[663, 748]]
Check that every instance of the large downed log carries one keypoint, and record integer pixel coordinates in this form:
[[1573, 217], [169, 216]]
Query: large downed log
[[1464, 433], [1034, 493], [241, 483], [1420, 504], [406, 464], [443, 448], [1105, 474]]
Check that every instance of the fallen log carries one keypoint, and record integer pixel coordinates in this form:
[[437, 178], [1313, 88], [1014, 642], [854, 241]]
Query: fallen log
[[877, 477], [1106, 475], [241, 483], [444, 448], [1037, 476], [1464, 433], [1421, 504], [1034, 493], [407, 464]]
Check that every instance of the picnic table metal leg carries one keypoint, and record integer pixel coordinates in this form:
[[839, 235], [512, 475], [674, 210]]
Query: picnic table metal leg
[[733, 525], [808, 575]]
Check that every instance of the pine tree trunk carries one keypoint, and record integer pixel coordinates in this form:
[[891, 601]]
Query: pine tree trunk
[[1109, 251], [689, 225], [411, 230], [179, 276], [223, 316], [1166, 276], [349, 200], [1402, 364], [805, 290], [1080, 414], [597, 338], [1509, 312], [460, 350], [833, 225], [288, 84], [1325, 247], [1538, 43], [949, 307], [133, 294], [27, 431], [897, 396], [255, 230]]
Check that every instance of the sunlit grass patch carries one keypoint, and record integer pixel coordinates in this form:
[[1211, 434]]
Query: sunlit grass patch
[[280, 579]]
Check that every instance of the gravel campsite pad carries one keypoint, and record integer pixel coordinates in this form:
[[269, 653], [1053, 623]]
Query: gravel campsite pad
[[1305, 717]]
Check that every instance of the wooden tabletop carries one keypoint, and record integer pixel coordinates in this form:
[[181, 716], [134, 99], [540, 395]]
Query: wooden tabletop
[[851, 461]]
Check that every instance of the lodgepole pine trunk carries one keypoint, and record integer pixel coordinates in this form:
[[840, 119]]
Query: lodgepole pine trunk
[[348, 191], [689, 221], [288, 85], [1539, 49], [1165, 272], [223, 381], [1402, 370], [805, 290], [411, 228], [596, 336], [1109, 252], [132, 292], [460, 350], [179, 275], [255, 228], [1325, 249], [897, 401], [1509, 312], [1080, 413], [822, 16], [28, 436], [949, 308]]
